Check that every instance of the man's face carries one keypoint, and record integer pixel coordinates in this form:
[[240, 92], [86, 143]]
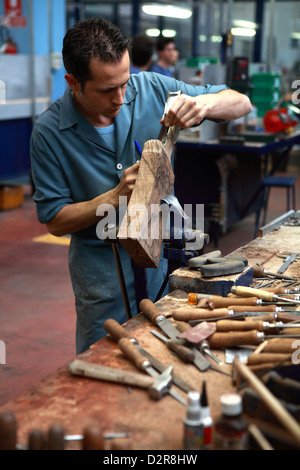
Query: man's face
[[167, 53], [101, 97]]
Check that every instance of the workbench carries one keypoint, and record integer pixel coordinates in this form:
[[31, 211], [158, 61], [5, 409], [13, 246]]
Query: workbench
[[78, 402], [226, 177]]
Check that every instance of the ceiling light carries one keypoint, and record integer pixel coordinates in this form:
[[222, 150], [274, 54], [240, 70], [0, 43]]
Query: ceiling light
[[154, 33], [244, 24], [169, 33], [295, 35], [243, 32], [167, 10]]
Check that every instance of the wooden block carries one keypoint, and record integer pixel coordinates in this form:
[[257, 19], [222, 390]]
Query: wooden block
[[190, 280], [140, 232]]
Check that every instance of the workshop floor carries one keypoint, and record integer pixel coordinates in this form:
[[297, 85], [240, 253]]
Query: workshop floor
[[37, 315]]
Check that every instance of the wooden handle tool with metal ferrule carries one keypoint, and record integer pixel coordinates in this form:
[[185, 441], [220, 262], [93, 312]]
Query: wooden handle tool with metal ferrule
[[232, 325], [150, 310], [115, 329], [191, 313], [274, 405], [263, 358], [132, 353], [236, 338], [251, 292]]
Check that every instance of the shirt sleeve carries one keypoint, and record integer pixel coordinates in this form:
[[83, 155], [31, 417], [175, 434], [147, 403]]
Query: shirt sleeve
[[51, 189]]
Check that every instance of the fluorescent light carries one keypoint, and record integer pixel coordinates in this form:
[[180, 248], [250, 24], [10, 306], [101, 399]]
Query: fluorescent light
[[167, 10], [169, 33], [245, 24], [295, 35], [154, 33], [243, 32]]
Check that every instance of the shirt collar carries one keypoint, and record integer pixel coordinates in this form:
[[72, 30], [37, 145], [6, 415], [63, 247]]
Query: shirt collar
[[69, 116]]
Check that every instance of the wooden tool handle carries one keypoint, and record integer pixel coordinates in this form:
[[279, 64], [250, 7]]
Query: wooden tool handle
[[110, 374], [232, 325], [183, 352], [280, 345], [220, 302], [270, 317], [182, 326], [132, 353], [250, 292], [229, 339], [270, 401], [287, 317], [258, 271], [115, 329], [189, 313], [249, 308], [267, 357], [290, 331], [150, 310]]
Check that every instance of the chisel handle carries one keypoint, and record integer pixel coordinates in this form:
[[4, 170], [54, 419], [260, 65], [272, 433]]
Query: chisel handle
[[191, 313], [263, 358], [150, 310], [251, 292], [280, 345], [249, 308], [230, 339], [132, 353], [232, 325], [115, 329], [183, 352], [220, 302]]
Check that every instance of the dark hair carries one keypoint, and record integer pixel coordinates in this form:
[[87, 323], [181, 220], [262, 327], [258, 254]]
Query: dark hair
[[141, 50], [94, 37], [162, 42]]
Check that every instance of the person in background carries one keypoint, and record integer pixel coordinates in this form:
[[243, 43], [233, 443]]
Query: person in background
[[167, 56], [85, 160], [142, 48]]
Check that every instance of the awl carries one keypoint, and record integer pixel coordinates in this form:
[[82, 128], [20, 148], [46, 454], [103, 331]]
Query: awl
[[117, 332], [153, 314], [132, 353]]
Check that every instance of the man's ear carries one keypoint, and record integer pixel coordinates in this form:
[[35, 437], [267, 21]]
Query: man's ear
[[72, 82]]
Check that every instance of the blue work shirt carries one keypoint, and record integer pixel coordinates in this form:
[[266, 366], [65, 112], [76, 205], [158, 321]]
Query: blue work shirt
[[159, 69], [71, 163]]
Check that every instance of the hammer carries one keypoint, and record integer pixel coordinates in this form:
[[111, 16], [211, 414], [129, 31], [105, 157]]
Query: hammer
[[157, 387]]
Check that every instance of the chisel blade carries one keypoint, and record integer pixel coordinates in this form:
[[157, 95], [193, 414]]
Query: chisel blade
[[151, 312]]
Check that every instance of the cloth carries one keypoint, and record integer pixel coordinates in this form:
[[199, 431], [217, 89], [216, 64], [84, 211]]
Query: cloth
[[169, 72], [71, 162]]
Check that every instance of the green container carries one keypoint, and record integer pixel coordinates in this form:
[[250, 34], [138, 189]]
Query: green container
[[266, 80], [199, 62]]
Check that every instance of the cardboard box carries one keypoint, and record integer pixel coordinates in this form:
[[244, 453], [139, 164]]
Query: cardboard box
[[11, 197]]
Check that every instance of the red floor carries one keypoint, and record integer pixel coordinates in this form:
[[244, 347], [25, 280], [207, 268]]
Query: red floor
[[36, 301]]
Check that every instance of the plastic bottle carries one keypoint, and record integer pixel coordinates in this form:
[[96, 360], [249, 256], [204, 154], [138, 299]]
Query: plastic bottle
[[193, 430], [230, 430], [206, 419]]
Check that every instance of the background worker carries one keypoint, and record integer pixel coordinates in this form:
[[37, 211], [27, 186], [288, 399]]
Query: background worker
[[142, 48], [84, 158], [167, 57]]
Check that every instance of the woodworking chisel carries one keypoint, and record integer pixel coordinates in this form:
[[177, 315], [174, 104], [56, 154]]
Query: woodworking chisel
[[153, 314], [117, 332], [132, 353], [261, 294]]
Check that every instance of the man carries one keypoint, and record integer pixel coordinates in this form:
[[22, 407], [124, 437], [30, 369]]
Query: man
[[84, 156], [141, 53], [167, 56]]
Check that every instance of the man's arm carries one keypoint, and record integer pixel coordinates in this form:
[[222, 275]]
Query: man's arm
[[81, 215], [188, 111]]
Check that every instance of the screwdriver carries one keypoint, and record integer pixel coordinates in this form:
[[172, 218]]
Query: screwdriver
[[260, 293]]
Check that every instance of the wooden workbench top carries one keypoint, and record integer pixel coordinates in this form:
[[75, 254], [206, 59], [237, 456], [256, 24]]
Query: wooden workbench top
[[76, 402]]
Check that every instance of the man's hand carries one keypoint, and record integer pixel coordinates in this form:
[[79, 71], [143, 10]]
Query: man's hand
[[126, 185], [188, 111]]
